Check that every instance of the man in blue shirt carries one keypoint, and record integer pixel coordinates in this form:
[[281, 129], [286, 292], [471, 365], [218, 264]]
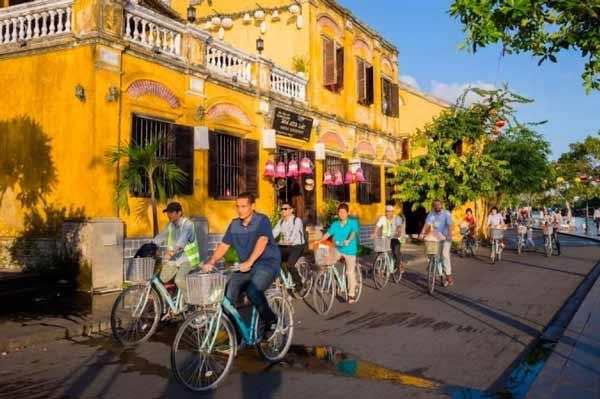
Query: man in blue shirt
[[345, 233], [252, 237], [441, 220]]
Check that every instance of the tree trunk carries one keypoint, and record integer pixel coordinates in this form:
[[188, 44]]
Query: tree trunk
[[154, 208]]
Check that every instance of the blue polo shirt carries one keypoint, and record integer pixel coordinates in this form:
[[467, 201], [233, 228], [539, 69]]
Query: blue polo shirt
[[340, 233], [244, 238]]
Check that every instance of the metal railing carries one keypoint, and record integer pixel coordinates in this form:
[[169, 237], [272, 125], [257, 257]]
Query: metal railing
[[228, 61]]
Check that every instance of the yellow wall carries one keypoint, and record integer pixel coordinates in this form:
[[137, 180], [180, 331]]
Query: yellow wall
[[416, 111]]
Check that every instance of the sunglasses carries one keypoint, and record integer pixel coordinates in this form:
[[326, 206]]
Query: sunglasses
[[285, 209]]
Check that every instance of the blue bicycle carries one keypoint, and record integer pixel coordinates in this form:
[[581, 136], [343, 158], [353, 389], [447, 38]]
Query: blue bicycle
[[206, 344]]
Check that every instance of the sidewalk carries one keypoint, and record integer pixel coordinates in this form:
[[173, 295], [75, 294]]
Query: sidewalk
[[573, 369]]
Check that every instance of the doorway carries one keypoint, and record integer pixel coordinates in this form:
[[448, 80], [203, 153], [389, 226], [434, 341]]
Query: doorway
[[415, 220], [300, 190]]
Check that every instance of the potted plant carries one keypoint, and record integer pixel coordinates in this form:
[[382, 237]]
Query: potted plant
[[300, 66]]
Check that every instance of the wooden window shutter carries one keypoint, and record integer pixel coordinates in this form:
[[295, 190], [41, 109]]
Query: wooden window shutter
[[213, 161], [339, 67], [184, 156], [383, 94], [328, 62], [360, 81], [370, 93], [251, 154], [375, 184], [395, 101]]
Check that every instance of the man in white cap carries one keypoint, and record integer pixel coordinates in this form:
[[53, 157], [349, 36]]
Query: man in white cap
[[387, 226]]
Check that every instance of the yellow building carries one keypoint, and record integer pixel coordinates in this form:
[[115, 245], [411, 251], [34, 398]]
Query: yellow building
[[81, 77]]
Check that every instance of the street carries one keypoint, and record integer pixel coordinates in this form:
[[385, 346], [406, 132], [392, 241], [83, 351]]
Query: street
[[405, 342]]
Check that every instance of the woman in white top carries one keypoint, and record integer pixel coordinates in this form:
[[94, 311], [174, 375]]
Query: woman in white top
[[290, 229], [496, 221]]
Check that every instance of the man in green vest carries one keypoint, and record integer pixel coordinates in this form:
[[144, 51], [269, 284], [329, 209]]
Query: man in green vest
[[182, 253]]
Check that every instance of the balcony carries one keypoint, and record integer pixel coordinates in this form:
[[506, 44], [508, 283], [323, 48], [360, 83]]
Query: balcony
[[35, 20], [288, 84]]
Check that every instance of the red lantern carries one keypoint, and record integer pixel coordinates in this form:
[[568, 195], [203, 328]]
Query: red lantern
[[583, 178], [305, 167], [269, 169], [349, 178], [293, 168], [327, 179], [337, 178], [500, 123], [280, 170], [359, 176]]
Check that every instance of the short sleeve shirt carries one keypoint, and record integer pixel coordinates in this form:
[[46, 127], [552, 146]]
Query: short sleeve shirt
[[496, 219], [340, 233], [244, 238], [442, 221]]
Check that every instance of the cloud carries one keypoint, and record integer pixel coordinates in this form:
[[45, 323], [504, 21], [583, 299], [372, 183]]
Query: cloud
[[451, 92], [409, 80]]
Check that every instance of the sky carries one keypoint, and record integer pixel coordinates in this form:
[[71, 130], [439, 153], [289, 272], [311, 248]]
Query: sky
[[427, 39]]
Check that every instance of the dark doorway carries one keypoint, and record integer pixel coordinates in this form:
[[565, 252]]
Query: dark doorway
[[295, 189], [415, 220]]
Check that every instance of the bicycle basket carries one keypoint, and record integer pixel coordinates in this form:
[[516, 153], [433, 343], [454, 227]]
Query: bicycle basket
[[496, 234], [465, 230], [325, 256], [140, 270], [548, 230], [205, 289], [433, 247], [382, 244], [522, 229]]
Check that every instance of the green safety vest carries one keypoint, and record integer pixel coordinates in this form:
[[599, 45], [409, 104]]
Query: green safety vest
[[385, 230], [192, 252]]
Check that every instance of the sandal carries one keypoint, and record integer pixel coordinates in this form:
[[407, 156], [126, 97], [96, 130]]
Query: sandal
[[351, 300]]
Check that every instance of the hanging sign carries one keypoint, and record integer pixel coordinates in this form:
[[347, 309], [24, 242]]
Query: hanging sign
[[291, 124]]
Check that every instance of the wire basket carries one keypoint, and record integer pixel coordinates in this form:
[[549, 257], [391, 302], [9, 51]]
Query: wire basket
[[521, 229], [433, 247], [465, 230], [548, 230], [140, 270], [382, 244], [325, 256], [496, 234], [204, 289]]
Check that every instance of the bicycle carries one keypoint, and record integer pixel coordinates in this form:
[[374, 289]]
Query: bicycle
[[435, 266], [384, 265], [306, 274], [206, 343], [467, 245], [496, 236], [137, 311], [521, 233], [330, 282], [549, 240]]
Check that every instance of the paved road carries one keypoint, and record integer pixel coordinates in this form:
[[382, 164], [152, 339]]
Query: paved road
[[470, 335]]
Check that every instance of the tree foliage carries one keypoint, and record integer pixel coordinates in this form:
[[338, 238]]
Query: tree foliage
[[543, 28]]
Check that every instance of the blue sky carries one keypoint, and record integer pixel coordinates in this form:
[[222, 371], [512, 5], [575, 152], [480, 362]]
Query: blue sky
[[427, 39]]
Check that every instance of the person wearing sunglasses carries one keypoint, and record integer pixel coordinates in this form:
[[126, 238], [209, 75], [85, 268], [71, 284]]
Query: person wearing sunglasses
[[290, 231]]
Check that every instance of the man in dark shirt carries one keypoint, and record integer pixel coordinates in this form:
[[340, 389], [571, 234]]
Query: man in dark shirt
[[252, 237]]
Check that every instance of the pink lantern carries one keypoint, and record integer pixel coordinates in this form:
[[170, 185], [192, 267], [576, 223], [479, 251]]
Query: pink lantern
[[280, 170], [359, 176], [293, 169], [349, 178], [269, 169], [305, 167], [337, 178], [327, 179]]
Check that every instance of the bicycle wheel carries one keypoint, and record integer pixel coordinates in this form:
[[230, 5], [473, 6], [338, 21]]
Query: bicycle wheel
[[306, 273], [463, 248], [324, 290], [493, 254], [398, 271], [520, 246], [198, 363], [431, 274], [131, 325], [276, 347], [380, 271], [359, 281], [548, 246]]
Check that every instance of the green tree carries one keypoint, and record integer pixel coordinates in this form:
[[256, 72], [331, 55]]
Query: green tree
[[141, 164], [542, 28]]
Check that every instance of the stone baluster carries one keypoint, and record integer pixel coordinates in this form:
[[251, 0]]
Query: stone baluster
[[44, 24]]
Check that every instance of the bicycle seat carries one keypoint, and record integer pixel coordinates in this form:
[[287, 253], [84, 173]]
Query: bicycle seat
[[170, 286]]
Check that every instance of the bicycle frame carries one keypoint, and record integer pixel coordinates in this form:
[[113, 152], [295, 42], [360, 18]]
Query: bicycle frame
[[175, 306], [286, 277]]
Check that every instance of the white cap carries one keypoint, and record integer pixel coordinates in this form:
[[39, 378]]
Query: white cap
[[389, 208]]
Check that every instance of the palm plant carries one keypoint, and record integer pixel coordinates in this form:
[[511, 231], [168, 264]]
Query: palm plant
[[143, 164]]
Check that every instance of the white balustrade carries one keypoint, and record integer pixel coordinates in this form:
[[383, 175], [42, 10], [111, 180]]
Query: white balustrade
[[229, 61], [152, 30], [288, 84], [36, 19]]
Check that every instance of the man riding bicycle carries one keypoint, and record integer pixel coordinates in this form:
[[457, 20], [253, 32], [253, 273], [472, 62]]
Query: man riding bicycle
[[292, 241], [387, 226], [251, 236], [182, 253], [442, 222]]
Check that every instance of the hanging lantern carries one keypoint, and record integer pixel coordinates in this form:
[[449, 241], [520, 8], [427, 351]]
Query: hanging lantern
[[294, 9], [275, 16], [263, 26], [269, 169], [583, 178], [247, 19], [359, 176], [215, 21], [500, 123], [327, 179], [259, 15], [337, 178], [305, 167], [227, 23], [496, 131], [280, 170], [293, 169], [349, 178], [299, 22], [221, 33]]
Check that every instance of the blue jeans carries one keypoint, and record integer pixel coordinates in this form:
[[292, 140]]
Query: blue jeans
[[254, 283]]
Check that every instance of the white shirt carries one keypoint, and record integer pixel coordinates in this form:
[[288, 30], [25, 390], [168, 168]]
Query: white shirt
[[496, 219], [391, 226], [291, 230], [597, 214]]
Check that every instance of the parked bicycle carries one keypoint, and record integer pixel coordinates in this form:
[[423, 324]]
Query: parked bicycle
[[330, 281], [521, 237], [206, 343], [138, 310], [496, 236], [435, 266], [467, 244], [384, 265]]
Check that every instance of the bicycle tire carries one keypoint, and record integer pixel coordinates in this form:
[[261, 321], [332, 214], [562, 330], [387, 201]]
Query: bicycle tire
[[359, 281], [519, 246], [324, 292], [548, 248], [305, 271], [130, 338], [463, 249], [380, 271], [431, 275], [194, 381], [398, 271], [493, 255], [284, 333]]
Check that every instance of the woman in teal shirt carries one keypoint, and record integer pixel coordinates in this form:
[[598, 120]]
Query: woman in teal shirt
[[345, 233]]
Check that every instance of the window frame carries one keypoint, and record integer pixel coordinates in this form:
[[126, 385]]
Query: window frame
[[365, 97], [337, 66], [336, 193]]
